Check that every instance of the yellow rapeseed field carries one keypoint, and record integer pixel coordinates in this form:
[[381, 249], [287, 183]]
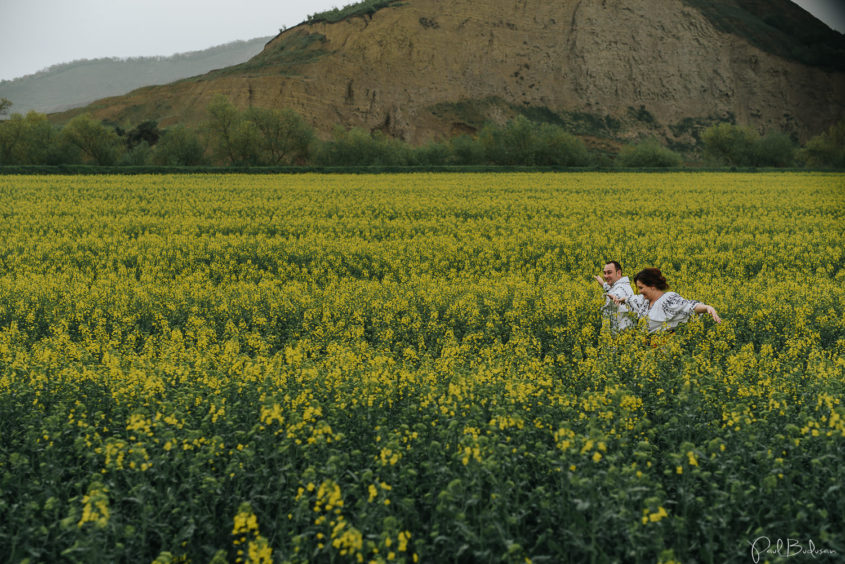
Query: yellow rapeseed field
[[369, 368]]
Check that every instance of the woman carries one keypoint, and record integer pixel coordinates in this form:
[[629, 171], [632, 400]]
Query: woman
[[664, 310]]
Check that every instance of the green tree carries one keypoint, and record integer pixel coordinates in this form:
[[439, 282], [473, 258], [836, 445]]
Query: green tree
[[432, 154], [145, 132], [139, 154], [179, 146], [222, 126], [358, 147], [729, 144], [40, 142], [557, 147], [526, 143], [257, 136], [246, 144], [648, 154], [284, 137], [32, 139], [774, 149], [826, 149], [511, 144], [11, 133], [5, 104], [98, 143], [466, 150]]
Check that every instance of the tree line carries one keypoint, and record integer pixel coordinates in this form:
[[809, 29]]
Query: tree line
[[281, 137]]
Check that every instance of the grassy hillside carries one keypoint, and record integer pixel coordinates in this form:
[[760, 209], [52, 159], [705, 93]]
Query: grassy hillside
[[81, 82], [364, 8]]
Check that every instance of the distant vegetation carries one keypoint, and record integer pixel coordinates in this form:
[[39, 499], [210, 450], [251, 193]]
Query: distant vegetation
[[67, 85], [260, 137], [365, 8], [474, 114], [292, 49], [827, 149], [728, 144], [648, 154]]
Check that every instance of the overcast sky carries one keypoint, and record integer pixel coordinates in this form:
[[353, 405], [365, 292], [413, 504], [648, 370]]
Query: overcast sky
[[35, 34]]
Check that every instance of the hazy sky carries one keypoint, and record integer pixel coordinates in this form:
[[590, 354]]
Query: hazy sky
[[35, 34]]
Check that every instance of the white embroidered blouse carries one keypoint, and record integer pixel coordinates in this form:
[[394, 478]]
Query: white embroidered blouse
[[667, 312]]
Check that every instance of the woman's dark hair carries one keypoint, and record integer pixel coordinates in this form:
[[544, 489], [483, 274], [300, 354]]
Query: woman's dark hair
[[652, 277]]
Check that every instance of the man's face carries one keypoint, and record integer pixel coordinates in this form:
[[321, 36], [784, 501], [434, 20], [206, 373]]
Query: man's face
[[610, 274]]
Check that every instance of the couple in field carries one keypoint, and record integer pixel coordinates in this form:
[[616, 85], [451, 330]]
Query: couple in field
[[663, 310]]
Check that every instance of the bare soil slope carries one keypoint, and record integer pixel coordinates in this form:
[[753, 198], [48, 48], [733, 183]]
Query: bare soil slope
[[424, 69]]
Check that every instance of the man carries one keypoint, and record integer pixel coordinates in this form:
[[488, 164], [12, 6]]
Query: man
[[619, 286]]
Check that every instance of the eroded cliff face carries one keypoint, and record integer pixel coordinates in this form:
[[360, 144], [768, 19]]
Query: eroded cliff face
[[668, 58], [427, 68]]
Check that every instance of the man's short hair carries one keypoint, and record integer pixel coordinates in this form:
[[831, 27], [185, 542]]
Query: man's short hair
[[615, 264]]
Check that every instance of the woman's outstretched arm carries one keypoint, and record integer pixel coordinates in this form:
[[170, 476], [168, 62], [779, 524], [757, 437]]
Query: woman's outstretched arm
[[704, 308]]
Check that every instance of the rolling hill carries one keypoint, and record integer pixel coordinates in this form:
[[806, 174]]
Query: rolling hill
[[606, 69], [78, 83]]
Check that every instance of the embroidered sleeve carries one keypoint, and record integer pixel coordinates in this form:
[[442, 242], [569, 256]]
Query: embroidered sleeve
[[618, 291], [676, 307], [638, 304]]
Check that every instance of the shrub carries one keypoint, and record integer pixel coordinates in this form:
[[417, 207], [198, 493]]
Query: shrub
[[139, 154], [508, 145], [522, 142], [729, 144], [257, 136], [32, 139], [735, 145], [364, 8], [466, 151], [179, 146], [432, 154], [221, 127], [246, 144], [145, 132], [281, 136], [826, 149], [648, 154], [556, 147], [773, 149], [356, 146], [99, 144]]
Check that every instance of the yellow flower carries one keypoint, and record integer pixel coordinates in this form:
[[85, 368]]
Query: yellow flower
[[404, 537], [259, 551], [95, 506], [661, 513], [692, 459], [654, 517]]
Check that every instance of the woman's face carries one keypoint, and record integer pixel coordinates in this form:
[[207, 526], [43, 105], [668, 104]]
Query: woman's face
[[648, 292]]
